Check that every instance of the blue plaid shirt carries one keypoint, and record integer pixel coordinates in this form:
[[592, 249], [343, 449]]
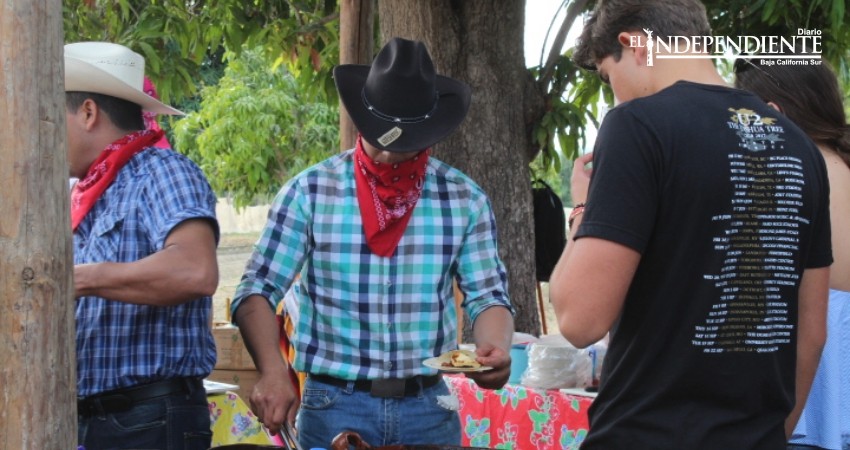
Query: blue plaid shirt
[[120, 344], [362, 316]]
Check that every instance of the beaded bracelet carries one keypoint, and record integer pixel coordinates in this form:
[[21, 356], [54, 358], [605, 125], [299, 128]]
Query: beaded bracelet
[[577, 209]]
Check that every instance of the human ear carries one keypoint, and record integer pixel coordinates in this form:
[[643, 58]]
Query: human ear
[[91, 112], [627, 40], [636, 42]]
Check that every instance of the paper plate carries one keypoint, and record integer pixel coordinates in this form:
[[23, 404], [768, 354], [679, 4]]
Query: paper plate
[[437, 363]]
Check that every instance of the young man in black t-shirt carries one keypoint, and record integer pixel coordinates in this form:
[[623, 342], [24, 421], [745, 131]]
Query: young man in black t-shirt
[[704, 247]]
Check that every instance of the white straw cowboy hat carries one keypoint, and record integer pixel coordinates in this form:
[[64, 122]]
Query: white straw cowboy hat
[[399, 103], [110, 69]]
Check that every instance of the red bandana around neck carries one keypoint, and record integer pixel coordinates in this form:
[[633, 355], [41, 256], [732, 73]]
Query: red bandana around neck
[[104, 169], [387, 194]]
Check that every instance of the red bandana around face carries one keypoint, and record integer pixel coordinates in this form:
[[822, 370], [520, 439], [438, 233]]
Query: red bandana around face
[[387, 194], [104, 169]]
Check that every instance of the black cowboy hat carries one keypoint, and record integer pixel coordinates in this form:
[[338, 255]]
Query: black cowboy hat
[[399, 103]]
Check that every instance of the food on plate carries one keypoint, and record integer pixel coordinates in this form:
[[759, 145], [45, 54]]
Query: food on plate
[[462, 359]]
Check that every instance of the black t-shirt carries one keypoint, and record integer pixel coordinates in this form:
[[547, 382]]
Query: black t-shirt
[[727, 202]]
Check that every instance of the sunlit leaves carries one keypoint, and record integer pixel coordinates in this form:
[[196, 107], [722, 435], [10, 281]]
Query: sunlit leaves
[[572, 103], [175, 36], [256, 129]]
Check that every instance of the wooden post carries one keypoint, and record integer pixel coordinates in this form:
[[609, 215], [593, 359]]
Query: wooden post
[[356, 35], [37, 362]]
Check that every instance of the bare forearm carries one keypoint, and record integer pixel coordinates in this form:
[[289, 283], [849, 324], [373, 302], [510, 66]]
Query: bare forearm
[[274, 399], [589, 285], [494, 326], [185, 269], [493, 332], [562, 289], [259, 329], [156, 280], [558, 271]]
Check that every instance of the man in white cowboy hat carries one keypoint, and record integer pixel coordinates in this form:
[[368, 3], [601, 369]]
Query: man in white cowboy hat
[[145, 235], [378, 234]]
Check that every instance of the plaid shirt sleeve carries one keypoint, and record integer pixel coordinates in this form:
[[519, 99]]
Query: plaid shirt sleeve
[[280, 251], [481, 274], [176, 193]]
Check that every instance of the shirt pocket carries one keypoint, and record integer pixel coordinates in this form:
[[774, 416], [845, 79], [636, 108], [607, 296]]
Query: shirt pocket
[[105, 243]]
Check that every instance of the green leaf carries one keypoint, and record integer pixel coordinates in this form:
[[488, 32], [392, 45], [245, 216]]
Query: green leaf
[[837, 15]]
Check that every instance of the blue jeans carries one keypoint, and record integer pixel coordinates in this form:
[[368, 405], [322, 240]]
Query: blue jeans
[[845, 445], [175, 422], [327, 410]]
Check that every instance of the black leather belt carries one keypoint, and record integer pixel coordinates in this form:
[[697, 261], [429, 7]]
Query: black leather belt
[[386, 388], [123, 399]]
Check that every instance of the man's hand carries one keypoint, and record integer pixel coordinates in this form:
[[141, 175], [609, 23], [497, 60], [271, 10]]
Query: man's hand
[[274, 401], [497, 358], [493, 331]]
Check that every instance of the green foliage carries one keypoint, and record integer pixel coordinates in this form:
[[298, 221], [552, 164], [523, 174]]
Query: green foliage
[[294, 46], [547, 173], [255, 129], [558, 180], [177, 36], [166, 32], [572, 104], [784, 18]]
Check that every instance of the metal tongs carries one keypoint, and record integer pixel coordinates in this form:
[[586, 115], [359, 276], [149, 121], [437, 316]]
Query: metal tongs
[[287, 434]]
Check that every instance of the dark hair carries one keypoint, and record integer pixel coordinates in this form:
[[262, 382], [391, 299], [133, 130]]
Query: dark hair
[[814, 104], [598, 40], [125, 114]]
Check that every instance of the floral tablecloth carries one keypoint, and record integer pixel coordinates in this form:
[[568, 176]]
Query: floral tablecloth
[[518, 417], [514, 417], [234, 423]]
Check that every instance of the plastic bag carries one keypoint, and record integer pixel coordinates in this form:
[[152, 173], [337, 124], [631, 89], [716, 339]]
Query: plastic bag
[[554, 363]]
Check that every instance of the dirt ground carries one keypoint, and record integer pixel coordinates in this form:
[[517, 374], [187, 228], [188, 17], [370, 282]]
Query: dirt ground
[[234, 251]]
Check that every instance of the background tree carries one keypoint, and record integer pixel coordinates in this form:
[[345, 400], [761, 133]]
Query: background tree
[[468, 42], [255, 129]]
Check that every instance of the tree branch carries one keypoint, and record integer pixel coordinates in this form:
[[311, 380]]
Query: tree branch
[[573, 11]]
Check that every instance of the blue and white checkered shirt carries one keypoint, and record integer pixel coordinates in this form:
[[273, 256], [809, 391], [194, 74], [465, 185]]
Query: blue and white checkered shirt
[[121, 344], [362, 316]]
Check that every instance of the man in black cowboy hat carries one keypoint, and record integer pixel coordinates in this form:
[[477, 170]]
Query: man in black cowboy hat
[[379, 234]]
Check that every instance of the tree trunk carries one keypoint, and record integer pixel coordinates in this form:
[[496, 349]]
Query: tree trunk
[[37, 376], [356, 38], [481, 43]]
